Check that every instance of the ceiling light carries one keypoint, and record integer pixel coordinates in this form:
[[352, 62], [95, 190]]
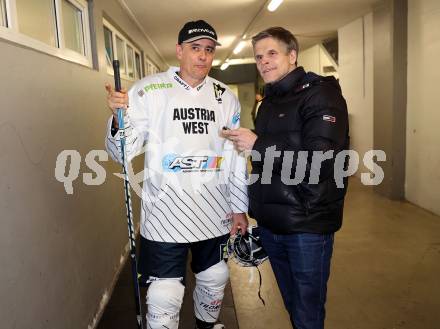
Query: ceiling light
[[224, 66], [274, 4], [239, 47]]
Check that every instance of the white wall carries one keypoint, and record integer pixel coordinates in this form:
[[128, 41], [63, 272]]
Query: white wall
[[309, 59], [356, 79], [423, 115], [315, 58]]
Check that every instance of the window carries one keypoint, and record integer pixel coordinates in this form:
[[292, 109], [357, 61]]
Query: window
[[130, 62], [119, 47], [120, 54], [37, 20], [150, 67], [137, 59], [3, 17], [73, 25], [56, 27], [108, 38]]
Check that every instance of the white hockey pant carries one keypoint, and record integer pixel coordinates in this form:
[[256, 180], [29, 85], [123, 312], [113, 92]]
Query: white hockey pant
[[209, 292], [164, 299]]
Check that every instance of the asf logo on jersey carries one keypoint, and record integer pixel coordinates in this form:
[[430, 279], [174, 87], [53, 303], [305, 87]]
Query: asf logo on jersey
[[176, 163], [236, 118], [218, 92]]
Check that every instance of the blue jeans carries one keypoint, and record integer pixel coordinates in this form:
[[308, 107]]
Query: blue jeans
[[301, 264]]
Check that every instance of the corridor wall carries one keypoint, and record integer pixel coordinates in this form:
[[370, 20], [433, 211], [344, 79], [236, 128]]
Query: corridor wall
[[59, 252], [423, 116], [356, 79]]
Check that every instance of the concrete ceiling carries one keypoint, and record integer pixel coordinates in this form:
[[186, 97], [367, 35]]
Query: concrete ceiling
[[310, 20]]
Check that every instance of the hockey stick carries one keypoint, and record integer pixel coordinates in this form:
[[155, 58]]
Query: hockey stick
[[128, 202]]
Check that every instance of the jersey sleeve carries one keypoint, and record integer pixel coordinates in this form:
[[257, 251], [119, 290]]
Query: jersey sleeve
[[237, 179], [136, 128]]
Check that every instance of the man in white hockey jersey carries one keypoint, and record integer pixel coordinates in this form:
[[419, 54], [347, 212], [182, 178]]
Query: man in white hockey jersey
[[194, 191]]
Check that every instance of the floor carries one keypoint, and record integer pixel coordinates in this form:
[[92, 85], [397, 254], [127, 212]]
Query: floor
[[385, 270], [121, 311]]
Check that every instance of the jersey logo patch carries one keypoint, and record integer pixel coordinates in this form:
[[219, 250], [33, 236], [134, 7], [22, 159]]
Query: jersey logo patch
[[235, 118], [156, 86], [218, 92], [176, 163], [329, 118]]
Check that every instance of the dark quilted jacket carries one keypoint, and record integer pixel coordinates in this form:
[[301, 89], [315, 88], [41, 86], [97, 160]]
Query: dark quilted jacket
[[301, 112]]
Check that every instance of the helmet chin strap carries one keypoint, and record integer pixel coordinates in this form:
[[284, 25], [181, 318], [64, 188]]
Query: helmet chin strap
[[247, 251], [259, 287]]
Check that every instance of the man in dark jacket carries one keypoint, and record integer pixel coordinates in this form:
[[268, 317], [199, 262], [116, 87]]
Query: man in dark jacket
[[296, 199]]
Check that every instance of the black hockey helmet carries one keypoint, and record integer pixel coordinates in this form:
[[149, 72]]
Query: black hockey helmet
[[247, 249]]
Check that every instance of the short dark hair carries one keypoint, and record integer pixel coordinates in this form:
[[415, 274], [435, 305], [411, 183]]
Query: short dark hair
[[280, 34]]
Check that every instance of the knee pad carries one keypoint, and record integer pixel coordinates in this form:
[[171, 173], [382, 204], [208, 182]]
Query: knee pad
[[164, 300], [209, 292]]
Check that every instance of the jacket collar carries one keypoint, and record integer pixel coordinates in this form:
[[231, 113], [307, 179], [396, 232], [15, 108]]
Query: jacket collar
[[286, 84]]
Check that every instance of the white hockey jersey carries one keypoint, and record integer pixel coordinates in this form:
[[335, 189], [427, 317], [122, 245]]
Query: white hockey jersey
[[193, 178]]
